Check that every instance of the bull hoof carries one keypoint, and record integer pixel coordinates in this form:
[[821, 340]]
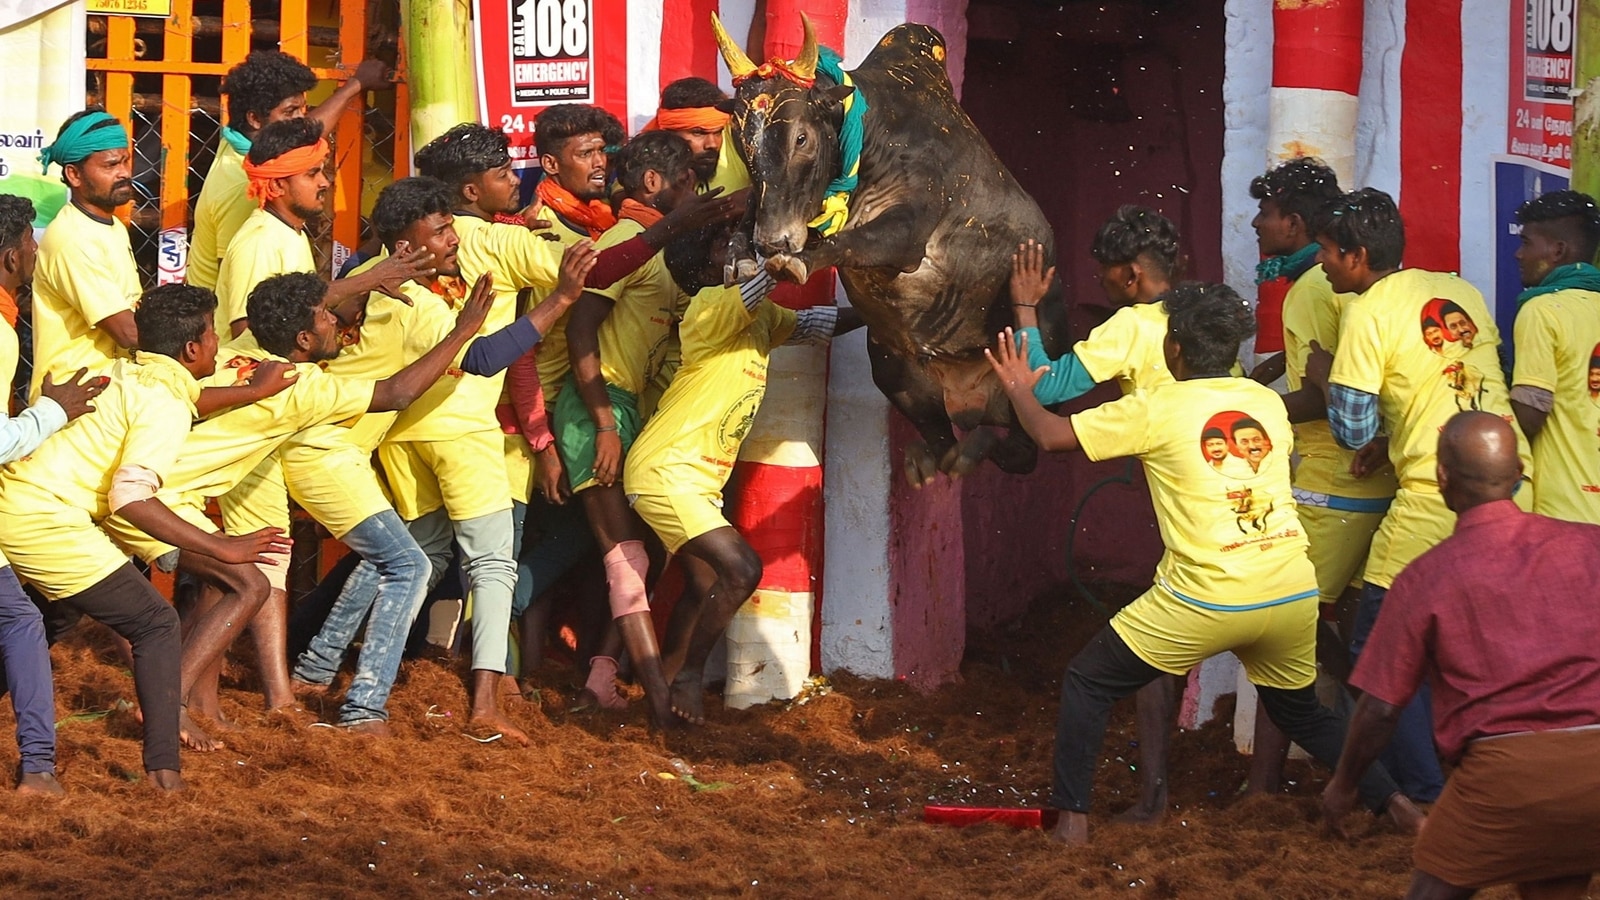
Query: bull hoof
[[968, 452], [784, 267], [921, 468], [744, 269]]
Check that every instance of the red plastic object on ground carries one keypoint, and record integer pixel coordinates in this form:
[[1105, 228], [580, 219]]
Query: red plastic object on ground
[[1013, 817]]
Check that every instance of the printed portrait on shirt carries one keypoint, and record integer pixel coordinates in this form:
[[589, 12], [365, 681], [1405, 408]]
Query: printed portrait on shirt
[[1594, 375], [1235, 445], [1449, 331]]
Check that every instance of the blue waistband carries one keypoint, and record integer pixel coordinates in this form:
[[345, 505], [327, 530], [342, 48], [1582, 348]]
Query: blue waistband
[[1218, 607], [1343, 504]]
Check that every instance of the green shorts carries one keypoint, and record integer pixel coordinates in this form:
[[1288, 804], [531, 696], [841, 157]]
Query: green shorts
[[575, 433]]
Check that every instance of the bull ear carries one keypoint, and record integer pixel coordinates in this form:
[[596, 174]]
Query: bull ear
[[837, 93], [728, 106]]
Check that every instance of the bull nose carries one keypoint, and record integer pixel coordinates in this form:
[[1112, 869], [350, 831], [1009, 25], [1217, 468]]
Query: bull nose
[[779, 242]]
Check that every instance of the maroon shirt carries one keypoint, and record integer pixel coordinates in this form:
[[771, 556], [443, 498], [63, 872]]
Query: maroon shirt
[[1503, 618]]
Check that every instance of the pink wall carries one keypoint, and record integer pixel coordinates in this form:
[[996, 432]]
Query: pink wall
[[1090, 107]]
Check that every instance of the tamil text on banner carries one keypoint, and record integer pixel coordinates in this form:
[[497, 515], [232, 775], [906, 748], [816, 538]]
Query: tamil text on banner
[[536, 53], [41, 62], [1539, 122]]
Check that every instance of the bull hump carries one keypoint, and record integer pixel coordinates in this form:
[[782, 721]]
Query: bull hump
[[907, 42]]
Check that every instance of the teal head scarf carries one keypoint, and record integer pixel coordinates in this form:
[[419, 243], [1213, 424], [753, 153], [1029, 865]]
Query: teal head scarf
[[86, 136]]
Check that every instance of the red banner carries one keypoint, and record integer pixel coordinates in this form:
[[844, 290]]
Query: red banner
[[1539, 124], [537, 53]]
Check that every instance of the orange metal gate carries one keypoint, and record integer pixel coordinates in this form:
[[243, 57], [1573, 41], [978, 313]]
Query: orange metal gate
[[162, 77]]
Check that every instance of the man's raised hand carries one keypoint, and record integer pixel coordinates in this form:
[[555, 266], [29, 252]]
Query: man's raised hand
[[74, 394], [476, 309], [577, 261], [1030, 280], [1009, 359], [710, 208], [407, 263], [374, 75]]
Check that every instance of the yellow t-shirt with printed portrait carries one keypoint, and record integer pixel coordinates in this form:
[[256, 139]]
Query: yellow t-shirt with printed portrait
[[222, 208], [1128, 347], [1558, 350], [85, 275], [52, 500], [263, 247], [1216, 454], [690, 445], [635, 335], [1426, 345], [459, 403], [1311, 312]]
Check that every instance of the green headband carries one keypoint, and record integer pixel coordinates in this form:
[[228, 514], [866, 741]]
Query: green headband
[[84, 137]]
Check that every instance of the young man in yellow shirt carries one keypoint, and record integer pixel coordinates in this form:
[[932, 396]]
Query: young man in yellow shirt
[[1395, 373], [114, 462], [1553, 388], [289, 185], [1138, 256], [269, 86], [328, 469], [676, 470], [1234, 577], [24, 655], [1340, 510], [618, 340], [87, 283]]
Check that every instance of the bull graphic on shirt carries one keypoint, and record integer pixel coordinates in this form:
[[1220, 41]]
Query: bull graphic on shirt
[[1247, 511], [738, 420]]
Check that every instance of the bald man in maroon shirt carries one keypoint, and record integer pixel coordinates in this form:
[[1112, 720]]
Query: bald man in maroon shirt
[[1503, 620]]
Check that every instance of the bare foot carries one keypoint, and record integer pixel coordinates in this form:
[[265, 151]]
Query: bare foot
[[372, 728], [218, 721], [167, 780], [1072, 829], [1405, 815], [495, 720], [40, 784], [293, 713], [1145, 812], [688, 699], [192, 737]]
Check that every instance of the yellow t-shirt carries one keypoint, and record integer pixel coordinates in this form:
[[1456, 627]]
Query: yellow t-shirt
[[1426, 345], [219, 212], [140, 419], [1311, 312], [552, 359], [222, 450], [1128, 347], [1558, 349], [458, 402], [1226, 511], [85, 275], [690, 445], [634, 337], [264, 246]]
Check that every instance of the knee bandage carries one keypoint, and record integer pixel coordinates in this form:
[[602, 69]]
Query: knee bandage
[[626, 564]]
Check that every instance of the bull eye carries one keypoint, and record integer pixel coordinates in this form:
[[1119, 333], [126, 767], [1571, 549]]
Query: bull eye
[[800, 139]]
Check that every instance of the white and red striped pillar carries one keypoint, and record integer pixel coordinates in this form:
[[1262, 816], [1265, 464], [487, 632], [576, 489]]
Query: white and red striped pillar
[[777, 485]]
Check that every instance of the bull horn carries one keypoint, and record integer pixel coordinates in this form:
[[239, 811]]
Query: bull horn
[[805, 65], [739, 65]]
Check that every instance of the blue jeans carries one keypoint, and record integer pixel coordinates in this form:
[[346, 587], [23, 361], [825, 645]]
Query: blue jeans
[[1410, 756], [25, 672], [390, 583]]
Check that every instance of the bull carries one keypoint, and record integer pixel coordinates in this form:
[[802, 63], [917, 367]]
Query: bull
[[925, 250]]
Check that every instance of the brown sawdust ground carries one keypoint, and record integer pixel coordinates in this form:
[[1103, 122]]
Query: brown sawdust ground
[[822, 798]]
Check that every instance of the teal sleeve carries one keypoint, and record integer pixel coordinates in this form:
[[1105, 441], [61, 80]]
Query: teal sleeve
[[1066, 379]]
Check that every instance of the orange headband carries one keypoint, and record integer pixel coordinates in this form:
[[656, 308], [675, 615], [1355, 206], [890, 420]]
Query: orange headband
[[301, 159], [707, 117]]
